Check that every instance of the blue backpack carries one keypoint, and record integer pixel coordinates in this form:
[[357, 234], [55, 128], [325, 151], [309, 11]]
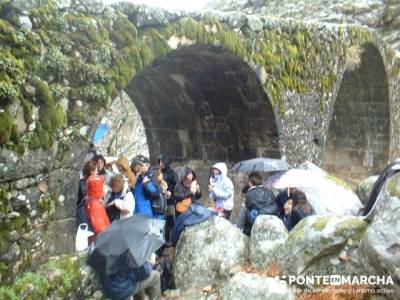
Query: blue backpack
[[252, 215]]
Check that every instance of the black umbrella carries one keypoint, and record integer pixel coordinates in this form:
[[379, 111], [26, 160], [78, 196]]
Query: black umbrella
[[261, 164], [126, 243]]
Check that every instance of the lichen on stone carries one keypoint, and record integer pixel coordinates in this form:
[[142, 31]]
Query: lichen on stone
[[59, 277]]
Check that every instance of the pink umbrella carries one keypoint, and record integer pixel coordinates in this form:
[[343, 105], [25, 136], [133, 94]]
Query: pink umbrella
[[295, 178]]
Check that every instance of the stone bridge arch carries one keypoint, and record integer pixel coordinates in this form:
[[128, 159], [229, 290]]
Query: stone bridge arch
[[202, 102], [358, 139]]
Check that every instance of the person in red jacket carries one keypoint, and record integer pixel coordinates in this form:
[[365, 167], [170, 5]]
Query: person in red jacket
[[95, 210]]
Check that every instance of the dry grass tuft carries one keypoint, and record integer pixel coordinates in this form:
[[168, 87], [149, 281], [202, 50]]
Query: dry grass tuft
[[353, 57]]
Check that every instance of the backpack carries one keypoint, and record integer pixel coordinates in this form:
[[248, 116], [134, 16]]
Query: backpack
[[159, 204], [251, 216], [81, 216]]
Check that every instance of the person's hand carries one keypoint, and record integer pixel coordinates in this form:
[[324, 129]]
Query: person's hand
[[145, 179], [288, 207], [211, 188], [164, 186], [193, 187], [110, 204], [197, 188], [168, 194], [152, 259]]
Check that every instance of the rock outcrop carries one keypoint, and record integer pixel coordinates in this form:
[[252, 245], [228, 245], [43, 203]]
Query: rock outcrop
[[321, 245], [380, 246], [245, 286], [267, 235], [364, 189], [207, 253]]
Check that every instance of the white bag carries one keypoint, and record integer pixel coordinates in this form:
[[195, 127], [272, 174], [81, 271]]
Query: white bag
[[81, 240]]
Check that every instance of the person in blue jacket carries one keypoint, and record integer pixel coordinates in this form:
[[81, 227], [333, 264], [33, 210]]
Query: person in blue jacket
[[146, 191], [142, 197]]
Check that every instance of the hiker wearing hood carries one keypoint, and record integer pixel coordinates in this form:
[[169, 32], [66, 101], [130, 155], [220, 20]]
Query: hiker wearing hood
[[187, 191], [221, 189]]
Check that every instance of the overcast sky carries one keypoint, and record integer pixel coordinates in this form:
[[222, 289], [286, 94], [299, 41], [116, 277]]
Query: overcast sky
[[188, 5]]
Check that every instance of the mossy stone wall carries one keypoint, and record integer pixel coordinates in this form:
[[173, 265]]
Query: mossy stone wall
[[57, 78]]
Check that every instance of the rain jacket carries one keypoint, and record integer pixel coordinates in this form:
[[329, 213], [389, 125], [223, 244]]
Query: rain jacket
[[125, 283], [223, 195], [145, 193], [297, 215], [96, 214], [95, 186], [194, 215], [262, 200]]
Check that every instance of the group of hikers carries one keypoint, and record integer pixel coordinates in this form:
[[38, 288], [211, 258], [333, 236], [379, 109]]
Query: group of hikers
[[120, 189]]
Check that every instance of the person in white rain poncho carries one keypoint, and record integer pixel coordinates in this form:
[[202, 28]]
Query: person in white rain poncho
[[221, 189]]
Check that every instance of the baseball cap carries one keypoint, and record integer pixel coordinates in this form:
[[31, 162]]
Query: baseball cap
[[140, 159]]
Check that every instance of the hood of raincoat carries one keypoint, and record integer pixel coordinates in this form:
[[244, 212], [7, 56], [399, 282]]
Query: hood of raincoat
[[221, 166]]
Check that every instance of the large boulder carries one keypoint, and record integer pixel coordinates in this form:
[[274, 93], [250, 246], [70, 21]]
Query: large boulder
[[364, 188], [267, 235], [332, 197], [380, 246], [207, 253], [321, 245], [253, 286]]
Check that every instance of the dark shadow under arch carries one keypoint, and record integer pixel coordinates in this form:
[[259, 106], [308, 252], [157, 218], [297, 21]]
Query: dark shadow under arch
[[359, 132], [201, 102]]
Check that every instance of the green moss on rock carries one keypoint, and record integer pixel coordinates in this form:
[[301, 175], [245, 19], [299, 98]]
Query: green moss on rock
[[353, 227], [32, 286], [320, 223], [56, 63], [123, 33], [155, 41], [70, 275], [27, 106], [8, 294], [44, 204], [58, 278], [52, 118], [339, 181], [393, 187], [8, 93], [6, 123], [40, 139], [98, 56]]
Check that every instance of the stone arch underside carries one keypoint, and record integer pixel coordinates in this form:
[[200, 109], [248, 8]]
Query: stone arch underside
[[358, 139], [201, 102]]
